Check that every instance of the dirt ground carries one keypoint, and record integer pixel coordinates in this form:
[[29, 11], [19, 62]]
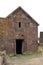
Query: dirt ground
[[32, 59], [25, 60]]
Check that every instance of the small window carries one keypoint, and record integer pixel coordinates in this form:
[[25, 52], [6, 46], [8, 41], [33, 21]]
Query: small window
[[19, 24]]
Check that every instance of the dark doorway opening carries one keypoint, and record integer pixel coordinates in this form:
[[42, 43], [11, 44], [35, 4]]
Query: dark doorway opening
[[19, 46]]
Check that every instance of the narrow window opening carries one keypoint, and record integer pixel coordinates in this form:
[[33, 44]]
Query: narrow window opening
[[19, 24]]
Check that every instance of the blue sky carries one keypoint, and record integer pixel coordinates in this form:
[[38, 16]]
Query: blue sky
[[33, 7]]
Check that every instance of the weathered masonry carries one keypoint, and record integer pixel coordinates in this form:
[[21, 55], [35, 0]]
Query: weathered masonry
[[20, 32], [41, 38]]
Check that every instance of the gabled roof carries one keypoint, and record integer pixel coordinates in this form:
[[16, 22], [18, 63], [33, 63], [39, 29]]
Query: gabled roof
[[19, 8]]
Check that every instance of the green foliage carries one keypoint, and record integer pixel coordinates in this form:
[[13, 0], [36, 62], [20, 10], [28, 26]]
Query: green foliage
[[29, 54], [35, 53], [11, 55]]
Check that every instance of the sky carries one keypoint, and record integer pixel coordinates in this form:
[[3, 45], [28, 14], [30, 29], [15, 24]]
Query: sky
[[32, 7]]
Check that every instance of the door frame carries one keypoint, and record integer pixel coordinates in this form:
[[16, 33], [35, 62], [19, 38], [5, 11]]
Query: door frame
[[22, 45]]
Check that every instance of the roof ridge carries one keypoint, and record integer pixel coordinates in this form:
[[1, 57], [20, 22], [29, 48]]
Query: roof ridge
[[28, 15]]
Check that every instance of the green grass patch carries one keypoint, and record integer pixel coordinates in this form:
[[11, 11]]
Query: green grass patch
[[12, 55], [29, 54]]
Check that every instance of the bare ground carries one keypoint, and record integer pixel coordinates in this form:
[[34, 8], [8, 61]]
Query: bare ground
[[26, 61], [34, 59]]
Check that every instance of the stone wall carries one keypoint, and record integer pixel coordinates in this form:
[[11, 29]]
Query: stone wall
[[41, 38], [28, 31]]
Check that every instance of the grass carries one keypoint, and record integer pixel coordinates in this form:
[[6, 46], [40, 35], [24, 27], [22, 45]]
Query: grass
[[12, 55], [38, 53], [28, 58]]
